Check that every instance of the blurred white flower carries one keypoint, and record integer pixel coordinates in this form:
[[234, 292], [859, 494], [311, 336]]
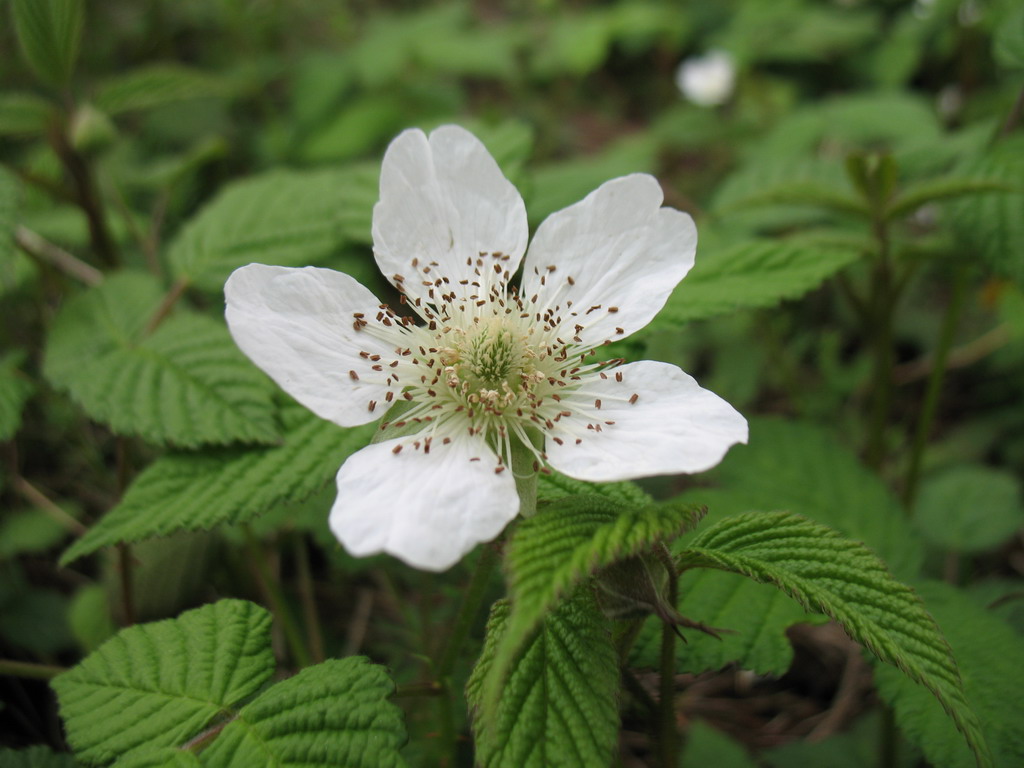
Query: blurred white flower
[[484, 369], [707, 80]]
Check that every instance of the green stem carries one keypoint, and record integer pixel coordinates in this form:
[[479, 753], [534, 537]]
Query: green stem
[[276, 600], [881, 338], [11, 668], [933, 389], [166, 304], [310, 616], [468, 611], [87, 197], [668, 734]]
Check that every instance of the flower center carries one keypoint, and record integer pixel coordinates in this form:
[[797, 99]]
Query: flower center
[[487, 362]]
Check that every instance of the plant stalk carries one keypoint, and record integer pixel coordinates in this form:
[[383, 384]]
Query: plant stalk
[[668, 733], [468, 611], [933, 389], [276, 600], [28, 669]]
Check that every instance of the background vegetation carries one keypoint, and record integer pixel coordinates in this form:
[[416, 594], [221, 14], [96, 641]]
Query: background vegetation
[[858, 295]]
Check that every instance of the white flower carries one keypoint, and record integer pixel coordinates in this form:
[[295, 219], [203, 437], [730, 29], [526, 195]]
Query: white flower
[[483, 367], [707, 80]]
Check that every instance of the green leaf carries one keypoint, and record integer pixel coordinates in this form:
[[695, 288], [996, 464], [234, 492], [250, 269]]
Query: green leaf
[[756, 273], [165, 757], [1008, 42], [15, 390], [24, 114], [28, 531], [15, 268], [561, 184], [550, 553], [844, 580], [49, 32], [154, 86], [788, 181], [803, 469], [555, 486], [969, 508], [186, 384], [706, 745], [755, 615], [89, 617], [198, 490], [992, 225], [946, 188], [36, 757], [289, 218], [159, 684], [567, 540], [989, 654], [334, 713], [557, 707]]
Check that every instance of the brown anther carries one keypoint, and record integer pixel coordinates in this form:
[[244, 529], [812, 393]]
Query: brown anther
[[634, 398], [353, 375], [397, 449]]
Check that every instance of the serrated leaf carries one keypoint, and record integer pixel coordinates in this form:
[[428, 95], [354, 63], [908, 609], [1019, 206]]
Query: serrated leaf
[[937, 190], [198, 490], [334, 713], [992, 225], [154, 86], [49, 32], [756, 273], [969, 508], [290, 218], [991, 659], [159, 684], [24, 114], [36, 757], [186, 384], [557, 706], [566, 541], [803, 469], [15, 389], [555, 486], [755, 615], [844, 580]]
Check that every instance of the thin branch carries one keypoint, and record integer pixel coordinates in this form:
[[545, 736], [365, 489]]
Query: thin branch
[[309, 612], [43, 250], [170, 299], [44, 503], [11, 668], [87, 196], [961, 357], [1014, 117]]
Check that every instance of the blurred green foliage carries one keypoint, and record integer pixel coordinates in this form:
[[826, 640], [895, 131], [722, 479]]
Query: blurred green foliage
[[860, 201]]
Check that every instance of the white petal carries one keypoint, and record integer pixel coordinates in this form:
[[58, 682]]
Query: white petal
[[443, 201], [296, 324], [674, 426], [426, 509], [623, 252]]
